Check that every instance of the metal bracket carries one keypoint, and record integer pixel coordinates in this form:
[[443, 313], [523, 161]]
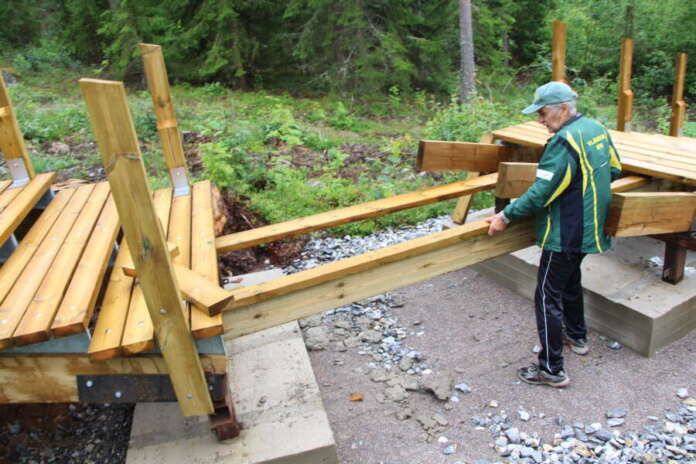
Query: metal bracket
[[180, 182], [18, 172], [133, 388]]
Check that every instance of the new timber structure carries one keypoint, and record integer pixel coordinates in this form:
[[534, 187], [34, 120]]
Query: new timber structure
[[160, 297]]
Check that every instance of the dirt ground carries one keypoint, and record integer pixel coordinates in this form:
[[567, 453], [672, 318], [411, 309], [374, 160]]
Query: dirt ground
[[485, 332]]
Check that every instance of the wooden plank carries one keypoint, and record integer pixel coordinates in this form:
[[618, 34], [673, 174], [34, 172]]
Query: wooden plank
[[39, 314], [514, 179], [625, 109], [634, 214], [678, 103], [13, 267], [354, 213], [558, 52], [438, 155], [16, 302], [333, 272], [11, 139], [207, 296], [52, 378], [350, 280], [138, 332], [204, 255], [461, 210], [118, 145], [158, 83], [4, 184], [76, 308]]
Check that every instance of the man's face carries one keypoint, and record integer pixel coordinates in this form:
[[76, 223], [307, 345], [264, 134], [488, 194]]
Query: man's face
[[553, 118]]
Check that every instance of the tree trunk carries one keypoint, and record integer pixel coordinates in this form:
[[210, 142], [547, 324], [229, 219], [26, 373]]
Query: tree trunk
[[466, 43]]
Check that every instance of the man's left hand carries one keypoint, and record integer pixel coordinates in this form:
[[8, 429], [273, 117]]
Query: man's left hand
[[497, 224]]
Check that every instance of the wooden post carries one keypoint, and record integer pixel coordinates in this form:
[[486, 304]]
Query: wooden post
[[12, 142], [118, 145], [625, 109], [167, 127], [558, 52], [678, 103], [461, 211]]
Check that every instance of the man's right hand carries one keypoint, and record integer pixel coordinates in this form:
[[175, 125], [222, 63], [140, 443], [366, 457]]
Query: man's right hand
[[497, 224]]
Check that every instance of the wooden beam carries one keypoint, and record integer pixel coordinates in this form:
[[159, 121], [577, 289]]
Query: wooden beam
[[558, 52], [461, 210], [678, 103], [634, 214], [343, 282], [120, 151], [11, 139], [625, 110], [438, 155], [354, 213], [199, 290], [514, 179], [53, 378], [167, 126]]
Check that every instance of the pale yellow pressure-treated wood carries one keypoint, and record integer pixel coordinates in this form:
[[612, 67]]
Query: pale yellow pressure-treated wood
[[77, 306], [114, 312], [23, 289], [207, 296], [158, 83], [4, 184], [678, 103], [354, 213], [204, 255], [52, 378], [514, 179], [633, 214], [461, 210], [39, 314], [22, 202], [118, 145], [625, 109], [437, 155], [138, 335], [11, 139], [558, 51]]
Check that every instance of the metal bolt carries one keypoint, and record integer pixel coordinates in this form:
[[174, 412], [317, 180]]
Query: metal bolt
[[163, 311], [89, 384], [118, 394], [189, 396], [210, 387]]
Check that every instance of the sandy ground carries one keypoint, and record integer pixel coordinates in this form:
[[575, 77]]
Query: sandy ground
[[485, 332]]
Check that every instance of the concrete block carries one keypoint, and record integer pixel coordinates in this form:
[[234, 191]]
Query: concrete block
[[276, 398]]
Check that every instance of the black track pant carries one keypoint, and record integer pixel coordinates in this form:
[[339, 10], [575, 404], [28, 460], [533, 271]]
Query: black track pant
[[558, 302]]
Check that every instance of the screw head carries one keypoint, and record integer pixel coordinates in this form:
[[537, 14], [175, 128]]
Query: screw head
[[163, 311], [89, 384], [118, 394], [189, 396]]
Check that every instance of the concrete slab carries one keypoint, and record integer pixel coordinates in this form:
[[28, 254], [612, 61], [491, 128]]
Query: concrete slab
[[276, 398], [625, 298]]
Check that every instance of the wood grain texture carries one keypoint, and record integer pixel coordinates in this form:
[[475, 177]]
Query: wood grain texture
[[514, 179], [634, 214], [52, 378], [354, 213], [461, 210], [624, 113], [119, 148], [11, 139], [678, 103], [558, 51], [437, 155]]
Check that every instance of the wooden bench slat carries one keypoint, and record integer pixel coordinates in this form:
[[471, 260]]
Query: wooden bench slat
[[13, 267], [4, 184], [15, 303], [22, 202], [37, 319], [138, 332], [77, 305], [204, 255]]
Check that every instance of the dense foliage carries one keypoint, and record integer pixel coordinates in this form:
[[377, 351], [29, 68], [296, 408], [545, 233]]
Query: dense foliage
[[354, 47]]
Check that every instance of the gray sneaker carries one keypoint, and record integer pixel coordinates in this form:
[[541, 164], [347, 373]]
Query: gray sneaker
[[535, 375], [577, 345]]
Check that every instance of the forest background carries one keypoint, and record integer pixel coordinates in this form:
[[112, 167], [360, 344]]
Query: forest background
[[299, 106]]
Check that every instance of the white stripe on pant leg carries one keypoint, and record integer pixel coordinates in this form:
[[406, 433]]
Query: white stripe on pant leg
[[543, 304]]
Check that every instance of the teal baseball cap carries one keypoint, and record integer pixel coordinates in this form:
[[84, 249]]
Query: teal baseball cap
[[548, 94]]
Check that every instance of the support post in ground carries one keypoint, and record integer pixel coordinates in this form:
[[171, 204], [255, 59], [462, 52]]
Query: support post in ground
[[167, 127], [678, 103], [558, 52], [624, 114], [461, 211], [12, 142], [120, 152]]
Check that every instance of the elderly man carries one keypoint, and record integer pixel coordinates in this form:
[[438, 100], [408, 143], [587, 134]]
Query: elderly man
[[570, 199]]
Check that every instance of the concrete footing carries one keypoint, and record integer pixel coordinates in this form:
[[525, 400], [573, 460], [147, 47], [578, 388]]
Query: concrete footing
[[276, 398], [625, 298]]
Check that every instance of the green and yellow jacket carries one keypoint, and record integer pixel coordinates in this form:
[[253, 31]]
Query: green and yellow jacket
[[571, 195]]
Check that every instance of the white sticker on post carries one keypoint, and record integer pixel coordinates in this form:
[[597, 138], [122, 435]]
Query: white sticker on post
[[544, 174]]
